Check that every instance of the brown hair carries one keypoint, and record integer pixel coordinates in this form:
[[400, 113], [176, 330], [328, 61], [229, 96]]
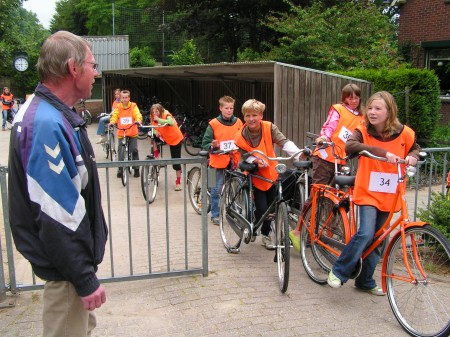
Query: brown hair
[[350, 89], [392, 122], [55, 53], [226, 99]]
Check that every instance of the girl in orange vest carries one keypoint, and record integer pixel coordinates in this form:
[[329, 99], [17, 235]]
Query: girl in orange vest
[[382, 135], [257, 134], [7, 105], [220, 135], [171, 134], [342, 120]]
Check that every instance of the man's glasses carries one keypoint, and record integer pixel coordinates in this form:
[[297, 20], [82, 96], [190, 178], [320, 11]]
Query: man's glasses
[[94, 65]]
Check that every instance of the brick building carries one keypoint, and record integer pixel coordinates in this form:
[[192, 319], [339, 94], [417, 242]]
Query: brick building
[[424, 37]]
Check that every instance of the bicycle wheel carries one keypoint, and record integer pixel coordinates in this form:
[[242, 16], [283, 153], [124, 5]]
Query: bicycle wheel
[[283, 246], [124, 155], [112, 147], [194, 181], [422, 307], [189, 143], [329, 228], [230, 231], [149, 182], [296, 204], [87, 117]]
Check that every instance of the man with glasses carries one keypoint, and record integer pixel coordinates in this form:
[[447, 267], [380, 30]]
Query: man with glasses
[[55, 209]]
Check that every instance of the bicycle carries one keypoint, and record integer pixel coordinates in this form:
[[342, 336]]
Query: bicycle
[[415, 269], [194, 181], [236, 219], [150, 173], [85, 113], [124, 152], [109, 145], [448, 186]]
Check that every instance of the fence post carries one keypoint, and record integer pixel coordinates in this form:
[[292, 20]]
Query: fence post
[[407, 92]]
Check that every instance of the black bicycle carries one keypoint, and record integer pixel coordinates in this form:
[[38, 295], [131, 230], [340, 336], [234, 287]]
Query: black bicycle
[[124, 152]]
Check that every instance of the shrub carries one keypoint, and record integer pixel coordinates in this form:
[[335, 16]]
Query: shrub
[[438, 214]]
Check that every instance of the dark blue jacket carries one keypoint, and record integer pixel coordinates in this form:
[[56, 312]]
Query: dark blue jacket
[[55, 208]]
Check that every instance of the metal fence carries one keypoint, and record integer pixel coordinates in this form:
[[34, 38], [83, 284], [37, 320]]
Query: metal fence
[[167, 238], [162, 239]]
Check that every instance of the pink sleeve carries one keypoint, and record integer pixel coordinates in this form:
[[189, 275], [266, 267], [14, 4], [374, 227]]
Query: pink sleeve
[[331, 123]]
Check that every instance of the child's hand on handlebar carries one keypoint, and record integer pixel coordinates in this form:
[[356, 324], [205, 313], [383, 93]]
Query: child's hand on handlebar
[[410, 160], [260, 162], [392, 158]]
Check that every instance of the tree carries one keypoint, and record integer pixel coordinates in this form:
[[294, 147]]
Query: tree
[[186, 55], [351, 35]]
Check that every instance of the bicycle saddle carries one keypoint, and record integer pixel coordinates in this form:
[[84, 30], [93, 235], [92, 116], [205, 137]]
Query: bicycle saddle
[[303, 164], [345, 180]]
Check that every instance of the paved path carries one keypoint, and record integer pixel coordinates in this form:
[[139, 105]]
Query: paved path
[[239, 297]]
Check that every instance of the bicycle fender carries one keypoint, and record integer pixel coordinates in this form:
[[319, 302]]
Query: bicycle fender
[[389, 247]]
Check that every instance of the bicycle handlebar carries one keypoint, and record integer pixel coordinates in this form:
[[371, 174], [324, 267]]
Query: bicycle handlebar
[[124, 129], [152, 126], [248, 154]]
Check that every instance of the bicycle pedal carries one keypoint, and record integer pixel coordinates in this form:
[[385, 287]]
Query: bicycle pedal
[[233, 250]]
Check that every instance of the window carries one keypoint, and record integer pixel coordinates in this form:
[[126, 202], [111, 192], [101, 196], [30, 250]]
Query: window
[[439, 61]]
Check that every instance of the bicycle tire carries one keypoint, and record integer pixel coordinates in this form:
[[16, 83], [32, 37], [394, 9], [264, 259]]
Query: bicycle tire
[[296, 204], [149, 182], [106, 150], [194, 181], [112, 147], [87, 117], [422, 308], [124, 155], [230, 232], [283, 250], [316, 259], [188, 145]]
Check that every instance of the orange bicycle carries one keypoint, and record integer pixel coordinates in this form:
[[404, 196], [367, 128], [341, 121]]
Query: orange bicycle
[[416, 267]]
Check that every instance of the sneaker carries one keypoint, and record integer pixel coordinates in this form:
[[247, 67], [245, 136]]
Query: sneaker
[[295, 240], [101, 140], [266, 241], [334, 281], [377, 291], [150, 156], [215, 221], [136, 174], [178, 187]]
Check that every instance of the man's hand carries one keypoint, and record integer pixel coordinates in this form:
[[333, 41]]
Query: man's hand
[[94, 300]]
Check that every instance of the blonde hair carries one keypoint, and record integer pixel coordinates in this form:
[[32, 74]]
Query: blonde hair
[[253, 105], [55, 53], [392, 122]]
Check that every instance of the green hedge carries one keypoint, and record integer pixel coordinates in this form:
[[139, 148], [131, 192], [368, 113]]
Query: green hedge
[[424, 102]]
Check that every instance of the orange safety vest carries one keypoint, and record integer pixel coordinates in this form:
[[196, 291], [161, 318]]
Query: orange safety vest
[[225, 134], [9, 97], [171, 134], [376, 181], [344, 129], [265, 146], [115, 104], [124, 119]]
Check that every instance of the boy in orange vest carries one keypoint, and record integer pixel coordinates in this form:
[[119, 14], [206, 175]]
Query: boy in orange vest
[[257, 134], [219, 135], [125, 115]]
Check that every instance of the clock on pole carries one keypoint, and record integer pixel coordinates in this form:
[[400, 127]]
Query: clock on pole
[[21, 63]]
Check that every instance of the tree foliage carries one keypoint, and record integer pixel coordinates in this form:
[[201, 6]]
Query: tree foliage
[[350, 35], [186, 55]]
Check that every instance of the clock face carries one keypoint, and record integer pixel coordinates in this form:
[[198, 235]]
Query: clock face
[[21, 64]]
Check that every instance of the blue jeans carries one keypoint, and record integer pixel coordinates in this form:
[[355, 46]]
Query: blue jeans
[[215, 193], [371, 220], [101, 125], [5, 116]]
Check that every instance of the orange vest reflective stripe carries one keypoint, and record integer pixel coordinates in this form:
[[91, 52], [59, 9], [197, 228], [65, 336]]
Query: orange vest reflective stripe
[[225, 134], [171, 134], [376, 181], [344, 129], [125, 119], [265, 146]]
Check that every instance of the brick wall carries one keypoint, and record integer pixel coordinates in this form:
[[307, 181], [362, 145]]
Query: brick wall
[[421, 21], [445, 111]]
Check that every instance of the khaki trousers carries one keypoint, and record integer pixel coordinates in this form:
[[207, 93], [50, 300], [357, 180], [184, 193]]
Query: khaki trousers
[[63, 314]]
